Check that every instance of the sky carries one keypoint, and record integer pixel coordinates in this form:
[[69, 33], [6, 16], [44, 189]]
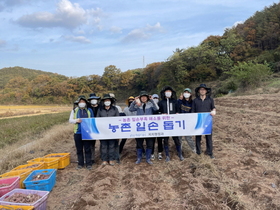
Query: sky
[[81, 37]]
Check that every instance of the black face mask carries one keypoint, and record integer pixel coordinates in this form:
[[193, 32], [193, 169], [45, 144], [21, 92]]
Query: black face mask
[[129, 103]]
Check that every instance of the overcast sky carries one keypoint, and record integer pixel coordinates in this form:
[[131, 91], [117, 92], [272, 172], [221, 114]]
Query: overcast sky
[[82, 37]]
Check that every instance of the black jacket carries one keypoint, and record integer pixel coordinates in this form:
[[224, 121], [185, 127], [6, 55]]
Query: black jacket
[[173, 106], [203, 106]]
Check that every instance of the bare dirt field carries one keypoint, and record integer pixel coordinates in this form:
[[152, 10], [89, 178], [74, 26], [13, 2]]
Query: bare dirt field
[[244, 175]]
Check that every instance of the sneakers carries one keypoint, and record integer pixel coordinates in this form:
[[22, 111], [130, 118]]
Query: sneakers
[[160, 156], [111, 163], [152, 157], [212, 156], [104, 163], [89, 168], [79, 167]]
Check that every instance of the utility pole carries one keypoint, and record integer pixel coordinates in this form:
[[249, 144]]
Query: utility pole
[[143, 62]]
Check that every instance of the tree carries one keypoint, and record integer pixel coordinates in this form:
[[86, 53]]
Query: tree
[[111, 77]]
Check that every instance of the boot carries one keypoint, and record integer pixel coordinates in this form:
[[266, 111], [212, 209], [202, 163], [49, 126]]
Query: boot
[[148, 156], [139, 156], [166, 149], [179, 150]]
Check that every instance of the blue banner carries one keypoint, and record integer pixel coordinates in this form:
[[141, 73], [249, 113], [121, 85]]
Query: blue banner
[[146, 126]]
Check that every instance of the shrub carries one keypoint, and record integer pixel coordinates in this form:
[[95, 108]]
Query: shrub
[[249, 74]]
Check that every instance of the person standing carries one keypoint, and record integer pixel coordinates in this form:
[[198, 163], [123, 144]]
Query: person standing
[[94, 105], [127, 113], [121, 113], [94, 102], [204, 103], [144, 105], [155, 97], [107, 148], [83, 147], [169, 105], [185, 106]]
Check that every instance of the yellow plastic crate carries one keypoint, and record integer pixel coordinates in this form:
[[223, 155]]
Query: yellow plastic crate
[[12, 207], [64, 159], [21, 173], [49, 163], [33, 166]]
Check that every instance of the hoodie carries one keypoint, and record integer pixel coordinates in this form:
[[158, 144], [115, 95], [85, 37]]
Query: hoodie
[[168, 105]]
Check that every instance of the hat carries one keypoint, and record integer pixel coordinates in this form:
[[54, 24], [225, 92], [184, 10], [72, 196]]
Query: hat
[[106, 96], [129, 98], [144, 93], [203, 86], [81, 97], [155, 96], [93, 96], [112, 95], [76, 102], [165, 88], [188, 89]]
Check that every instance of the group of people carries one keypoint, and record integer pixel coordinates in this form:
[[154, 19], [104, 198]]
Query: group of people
[[144, 104]]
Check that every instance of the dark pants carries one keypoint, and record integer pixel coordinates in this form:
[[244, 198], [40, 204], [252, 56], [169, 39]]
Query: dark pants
[[107, 150], [93, 150], [81, 147], [149, 143], [123, 141], [117, 148], [154, 142], [209, 144], [159, 143], [165, 142]]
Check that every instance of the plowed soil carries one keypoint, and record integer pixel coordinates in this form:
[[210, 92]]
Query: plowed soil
[[244, 175]]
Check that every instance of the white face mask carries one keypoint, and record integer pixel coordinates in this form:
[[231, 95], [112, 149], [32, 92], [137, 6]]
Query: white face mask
[[187, 95], [93, 101], [155, 100], [82, 105], [107, 103], [168, 94]]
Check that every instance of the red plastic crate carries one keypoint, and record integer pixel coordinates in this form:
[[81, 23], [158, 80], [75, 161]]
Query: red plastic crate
[[13, 183], [40, 204]]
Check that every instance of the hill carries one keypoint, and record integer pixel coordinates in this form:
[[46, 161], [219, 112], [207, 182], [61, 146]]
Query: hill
[[6, 74]]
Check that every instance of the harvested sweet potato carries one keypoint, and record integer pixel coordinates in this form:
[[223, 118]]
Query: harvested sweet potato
[[22, 198], [4, 185], [32, 166], [40, 177]]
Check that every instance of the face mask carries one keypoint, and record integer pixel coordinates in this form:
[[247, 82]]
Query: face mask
[[93, 101], [107, 103], [82, 105], [129, 103], [168, 94], [155, 100], [187, 95]]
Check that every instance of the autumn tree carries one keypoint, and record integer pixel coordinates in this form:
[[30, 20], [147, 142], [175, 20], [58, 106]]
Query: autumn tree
[[111, 77]]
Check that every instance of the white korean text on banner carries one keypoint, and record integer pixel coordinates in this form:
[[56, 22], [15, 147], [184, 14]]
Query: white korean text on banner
[[143, 126]]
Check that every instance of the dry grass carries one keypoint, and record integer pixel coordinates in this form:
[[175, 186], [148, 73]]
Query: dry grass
[[9, 111], [29, 148]]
